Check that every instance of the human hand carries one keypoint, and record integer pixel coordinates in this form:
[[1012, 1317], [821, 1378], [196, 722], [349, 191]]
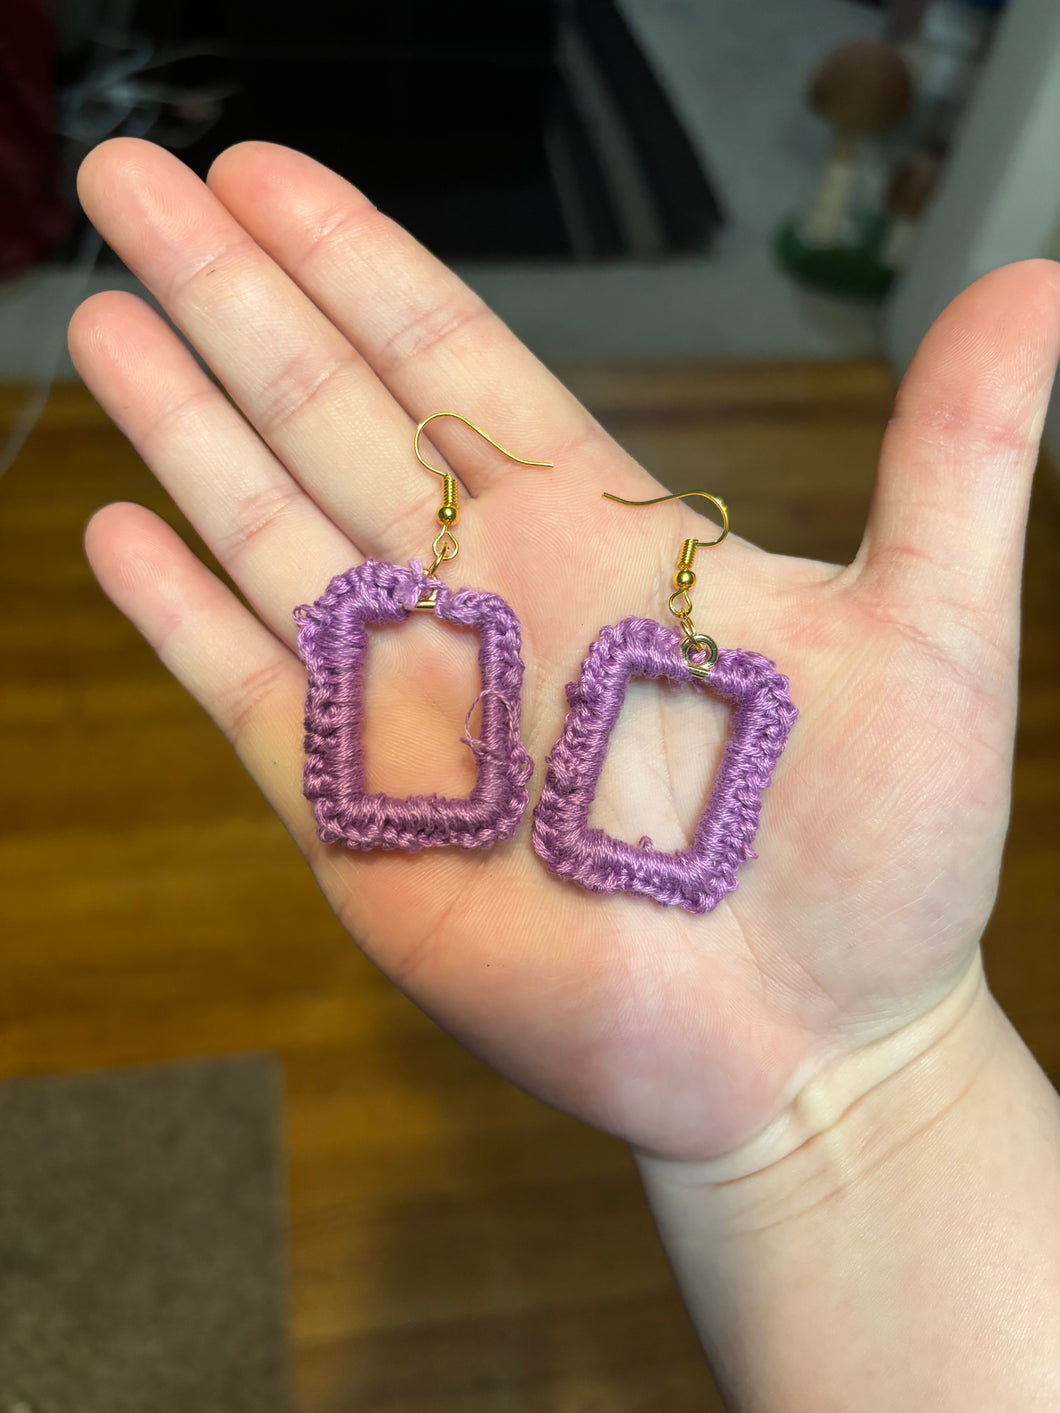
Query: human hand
[[334, 332]]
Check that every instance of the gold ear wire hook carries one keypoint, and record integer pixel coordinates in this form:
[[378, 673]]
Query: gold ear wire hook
[[484, 435], [445, 545], [680, 495], [679, 602]]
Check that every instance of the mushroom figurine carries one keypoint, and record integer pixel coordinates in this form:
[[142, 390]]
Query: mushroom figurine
[[860, 90]]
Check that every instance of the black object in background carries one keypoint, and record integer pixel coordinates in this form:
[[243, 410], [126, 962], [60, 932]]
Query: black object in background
[[523, 130]]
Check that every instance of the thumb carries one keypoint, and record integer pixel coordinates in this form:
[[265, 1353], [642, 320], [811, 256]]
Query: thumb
[[943, 548]]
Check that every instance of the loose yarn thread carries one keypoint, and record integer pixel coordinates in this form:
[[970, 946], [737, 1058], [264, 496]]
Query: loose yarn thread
[[696, 878], [333, 643]]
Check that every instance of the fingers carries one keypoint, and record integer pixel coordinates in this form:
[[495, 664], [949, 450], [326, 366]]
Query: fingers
[[943, 548], [271, 537], [427, 336], [310, 394], [249, 683]]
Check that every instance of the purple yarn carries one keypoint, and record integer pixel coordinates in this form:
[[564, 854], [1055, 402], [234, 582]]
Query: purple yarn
[[696, 878], [333, 641]]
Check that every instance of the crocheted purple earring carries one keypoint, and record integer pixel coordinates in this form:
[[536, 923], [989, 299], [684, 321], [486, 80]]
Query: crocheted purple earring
[[696, 878], [333, 643]]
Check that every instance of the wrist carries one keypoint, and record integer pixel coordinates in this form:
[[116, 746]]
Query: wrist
[[855, 1110], [904, 1253]]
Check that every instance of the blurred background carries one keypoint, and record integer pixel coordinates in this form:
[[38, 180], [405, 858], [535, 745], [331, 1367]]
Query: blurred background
[[238, 1170]]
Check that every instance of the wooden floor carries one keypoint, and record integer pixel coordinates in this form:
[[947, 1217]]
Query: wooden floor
[[454, 1246]]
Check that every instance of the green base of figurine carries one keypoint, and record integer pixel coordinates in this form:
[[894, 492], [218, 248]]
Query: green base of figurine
[[854, 270]]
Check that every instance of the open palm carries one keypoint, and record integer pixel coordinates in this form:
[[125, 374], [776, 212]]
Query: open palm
[[334, 333]]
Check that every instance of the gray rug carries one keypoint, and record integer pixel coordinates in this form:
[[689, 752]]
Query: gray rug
[[142, 1244]]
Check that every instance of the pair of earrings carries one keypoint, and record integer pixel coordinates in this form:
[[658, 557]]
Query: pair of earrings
[[333, 643]]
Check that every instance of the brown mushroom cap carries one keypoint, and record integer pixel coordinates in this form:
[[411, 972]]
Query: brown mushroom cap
[[864, 87]]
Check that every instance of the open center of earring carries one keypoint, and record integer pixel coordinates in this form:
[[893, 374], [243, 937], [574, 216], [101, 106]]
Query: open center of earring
[[421, 681], [661, 764]]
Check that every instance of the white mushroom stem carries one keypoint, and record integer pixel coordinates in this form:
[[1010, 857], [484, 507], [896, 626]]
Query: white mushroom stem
[[827, 220]]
